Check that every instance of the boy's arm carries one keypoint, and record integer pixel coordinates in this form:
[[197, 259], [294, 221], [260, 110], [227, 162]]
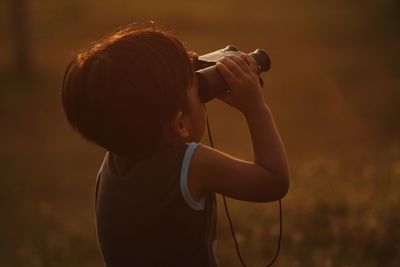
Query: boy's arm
[[265, 179], [268, 148]]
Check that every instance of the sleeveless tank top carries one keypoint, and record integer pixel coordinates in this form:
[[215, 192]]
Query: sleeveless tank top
[[145, 215]]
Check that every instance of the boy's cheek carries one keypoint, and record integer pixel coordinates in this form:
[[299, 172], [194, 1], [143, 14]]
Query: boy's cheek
[[203, 119]]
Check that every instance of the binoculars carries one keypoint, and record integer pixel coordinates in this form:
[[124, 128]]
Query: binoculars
[[211, 83]]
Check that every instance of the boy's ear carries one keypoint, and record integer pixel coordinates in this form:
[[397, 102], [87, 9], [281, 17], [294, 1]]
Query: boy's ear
[[179, 126]]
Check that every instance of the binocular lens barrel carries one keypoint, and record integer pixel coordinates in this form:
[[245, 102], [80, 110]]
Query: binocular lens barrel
[[211, 83], [262, 59]]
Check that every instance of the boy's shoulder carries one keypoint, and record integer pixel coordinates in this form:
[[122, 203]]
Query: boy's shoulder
[[166, 158]]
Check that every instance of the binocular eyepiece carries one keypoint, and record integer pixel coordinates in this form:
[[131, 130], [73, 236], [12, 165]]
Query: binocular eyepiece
[[211, 83]]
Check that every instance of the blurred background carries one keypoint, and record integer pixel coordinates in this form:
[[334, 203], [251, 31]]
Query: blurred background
[[334, 90]]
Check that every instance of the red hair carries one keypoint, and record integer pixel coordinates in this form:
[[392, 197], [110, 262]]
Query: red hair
[[121, 92]]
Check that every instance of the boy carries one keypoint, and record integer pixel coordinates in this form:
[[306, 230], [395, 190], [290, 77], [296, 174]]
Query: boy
[[135, 94]]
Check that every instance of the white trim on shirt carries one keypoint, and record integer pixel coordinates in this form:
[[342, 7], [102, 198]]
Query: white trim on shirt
[[196, 205]]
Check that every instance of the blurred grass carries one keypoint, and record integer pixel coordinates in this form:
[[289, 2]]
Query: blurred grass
[[333, 89]]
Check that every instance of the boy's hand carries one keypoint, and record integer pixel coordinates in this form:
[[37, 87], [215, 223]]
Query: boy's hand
[[240, 72], [192, 55]]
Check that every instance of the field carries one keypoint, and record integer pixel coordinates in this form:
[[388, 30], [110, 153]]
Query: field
[[333, 89]]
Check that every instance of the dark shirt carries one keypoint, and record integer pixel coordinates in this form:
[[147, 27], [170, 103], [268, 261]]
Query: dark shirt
[[146, 216]]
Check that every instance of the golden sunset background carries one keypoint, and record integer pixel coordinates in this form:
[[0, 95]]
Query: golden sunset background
[[334, 90]]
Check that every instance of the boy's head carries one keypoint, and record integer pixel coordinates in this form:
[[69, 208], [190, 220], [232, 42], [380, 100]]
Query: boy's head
[[123, 91]]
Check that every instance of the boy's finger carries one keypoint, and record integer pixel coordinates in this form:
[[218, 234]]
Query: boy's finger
[[241, 63], [250, 61], [232, 66], [230, 78], [192, 55]]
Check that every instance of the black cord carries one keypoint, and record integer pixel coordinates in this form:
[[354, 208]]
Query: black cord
[[233, 232], [229, 217], [280, 235]]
